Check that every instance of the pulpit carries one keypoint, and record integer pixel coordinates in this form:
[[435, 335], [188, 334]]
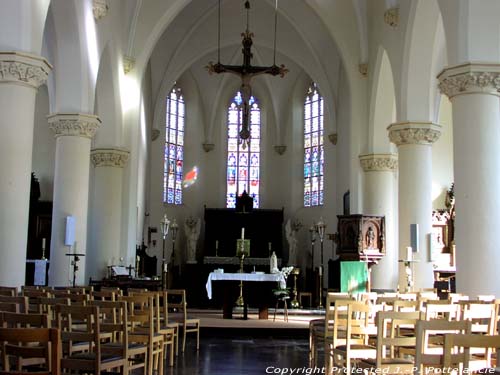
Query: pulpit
[[361, 237]]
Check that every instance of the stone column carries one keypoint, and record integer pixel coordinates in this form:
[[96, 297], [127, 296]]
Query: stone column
[[20, 76], [414, 141], [106, 211], [473, 91], [73, 133], [379, 200]]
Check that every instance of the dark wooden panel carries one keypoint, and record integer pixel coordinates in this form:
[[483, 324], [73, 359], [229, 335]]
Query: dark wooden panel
[[262, 227]]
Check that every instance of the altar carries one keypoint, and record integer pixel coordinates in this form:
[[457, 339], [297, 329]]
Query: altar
[[263, 299]]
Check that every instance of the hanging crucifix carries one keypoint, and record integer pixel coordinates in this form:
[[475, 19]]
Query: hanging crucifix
[[246, 71]]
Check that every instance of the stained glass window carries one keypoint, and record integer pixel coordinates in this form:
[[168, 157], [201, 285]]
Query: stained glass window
[[313, 148], [243, 161], [174, 148]]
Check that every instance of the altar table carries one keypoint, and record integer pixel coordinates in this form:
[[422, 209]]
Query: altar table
[[251, 277]]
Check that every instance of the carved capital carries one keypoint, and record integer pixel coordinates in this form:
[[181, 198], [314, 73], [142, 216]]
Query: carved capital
[[470, 78], [24, 69], [391, 17], [415, 133], [100, 9], [74, 124], [379, 162], [333, 138], [363, 70], [207, 147], [155, 133], [109, 157], [280, 149]]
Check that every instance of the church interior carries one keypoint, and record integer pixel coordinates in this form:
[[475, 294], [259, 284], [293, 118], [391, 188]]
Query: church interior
[[235, 155]]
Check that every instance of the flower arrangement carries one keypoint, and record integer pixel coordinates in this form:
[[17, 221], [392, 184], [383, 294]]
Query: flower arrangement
[[283, 292]]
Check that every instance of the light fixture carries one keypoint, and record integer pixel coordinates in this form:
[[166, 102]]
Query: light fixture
[[247, 71]]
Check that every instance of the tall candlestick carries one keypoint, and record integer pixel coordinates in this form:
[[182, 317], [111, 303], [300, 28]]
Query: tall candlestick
[[242, 233]]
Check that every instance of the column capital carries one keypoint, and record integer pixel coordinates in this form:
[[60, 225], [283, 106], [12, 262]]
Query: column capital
[[100, 9], [74, 124], [414, 133], [379, 162], [470, 78], [23, 69], [109, 157]]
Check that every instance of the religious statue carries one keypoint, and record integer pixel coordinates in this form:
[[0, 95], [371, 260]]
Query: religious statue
[[291, 229], [192, 227], [370, 238]]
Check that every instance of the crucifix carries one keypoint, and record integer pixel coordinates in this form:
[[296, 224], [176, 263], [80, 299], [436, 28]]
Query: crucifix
[[246, 71]]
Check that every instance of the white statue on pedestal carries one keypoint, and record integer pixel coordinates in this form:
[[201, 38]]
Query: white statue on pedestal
[[291, 229], [192, 227]]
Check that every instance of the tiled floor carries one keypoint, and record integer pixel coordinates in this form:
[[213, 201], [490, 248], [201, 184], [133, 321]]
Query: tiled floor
[[234, 355]]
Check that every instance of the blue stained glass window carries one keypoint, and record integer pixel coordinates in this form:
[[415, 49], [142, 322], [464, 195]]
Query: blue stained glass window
[[174, 147], [313, 148], [243, 163]]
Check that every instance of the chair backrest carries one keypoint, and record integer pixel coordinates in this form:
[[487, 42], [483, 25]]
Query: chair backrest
[[177, 302], [457, 349], [8, 291], [482, 316], [331, 299], [429, 343], [113, 319], [140, 312], [79, 324], [391, 328], [351, 317], [35, 343], [19, 304], [104, 295], [441, 309], [405, 305], [21, 320]]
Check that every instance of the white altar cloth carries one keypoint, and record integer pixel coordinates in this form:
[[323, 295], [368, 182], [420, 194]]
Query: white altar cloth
[[278, 277]]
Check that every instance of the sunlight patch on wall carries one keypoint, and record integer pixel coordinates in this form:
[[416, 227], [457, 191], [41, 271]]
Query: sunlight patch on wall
[[91, 36]]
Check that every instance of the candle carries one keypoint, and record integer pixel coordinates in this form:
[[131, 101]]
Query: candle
[[320, 269], [137, 258], [216, 244], [409, 253], [269, 246], [43, 243], [242, 233]]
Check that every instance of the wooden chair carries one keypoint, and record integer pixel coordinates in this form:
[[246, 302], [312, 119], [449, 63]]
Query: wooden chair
[[165, 323], [405, 305], [142, 329], [321, 330], [114, 319], [352, 324], [177, 300], [169, 333], [430, 340], [96, 358], [30, 343], [389, 359], [458, 354]]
